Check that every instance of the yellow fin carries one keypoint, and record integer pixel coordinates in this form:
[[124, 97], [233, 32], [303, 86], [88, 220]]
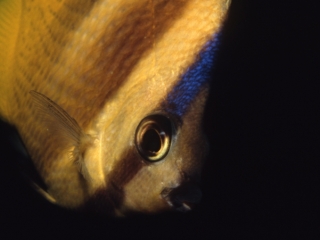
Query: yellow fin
[[57, 119], [10, 12], [44, 193], [62, 124]]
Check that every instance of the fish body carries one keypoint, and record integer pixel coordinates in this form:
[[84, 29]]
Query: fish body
[[108, 97]]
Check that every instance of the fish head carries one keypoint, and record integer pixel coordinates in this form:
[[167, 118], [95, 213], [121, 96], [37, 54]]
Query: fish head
[[171, 152], [160, 167], [153, 156]]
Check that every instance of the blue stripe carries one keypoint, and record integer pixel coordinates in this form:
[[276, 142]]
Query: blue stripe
[[191, 82]]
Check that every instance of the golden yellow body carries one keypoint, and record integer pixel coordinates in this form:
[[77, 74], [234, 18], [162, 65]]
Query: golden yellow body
[[107, 64]]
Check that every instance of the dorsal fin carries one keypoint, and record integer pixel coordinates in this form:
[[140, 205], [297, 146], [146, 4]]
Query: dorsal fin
[[10, 12]]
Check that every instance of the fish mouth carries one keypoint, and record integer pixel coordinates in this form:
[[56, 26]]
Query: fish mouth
[[182, 198]]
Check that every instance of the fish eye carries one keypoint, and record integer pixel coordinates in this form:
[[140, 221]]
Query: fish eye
[[153, 137]]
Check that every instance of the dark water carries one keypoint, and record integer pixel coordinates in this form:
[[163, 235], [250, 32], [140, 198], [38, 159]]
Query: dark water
[[261, 180]]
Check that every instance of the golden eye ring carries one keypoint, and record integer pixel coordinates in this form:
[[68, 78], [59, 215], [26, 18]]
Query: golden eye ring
[[153, 137]]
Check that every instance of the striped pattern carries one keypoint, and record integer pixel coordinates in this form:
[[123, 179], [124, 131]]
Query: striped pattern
[[108, 64], [197, 75]]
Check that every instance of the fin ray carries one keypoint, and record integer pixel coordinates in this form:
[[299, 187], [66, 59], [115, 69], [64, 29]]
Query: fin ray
[[62, 124], [58, 117], [42, 192]]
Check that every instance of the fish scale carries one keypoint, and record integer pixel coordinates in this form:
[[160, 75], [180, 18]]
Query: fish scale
[[107, 65]]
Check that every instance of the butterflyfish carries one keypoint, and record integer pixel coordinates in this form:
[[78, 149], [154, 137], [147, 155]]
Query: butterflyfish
[[108, 98]]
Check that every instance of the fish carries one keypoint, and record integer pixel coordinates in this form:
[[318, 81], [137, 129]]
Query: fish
[[108, 98]]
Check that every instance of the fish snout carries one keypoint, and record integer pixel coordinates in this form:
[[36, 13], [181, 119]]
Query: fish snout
[[184, 197]]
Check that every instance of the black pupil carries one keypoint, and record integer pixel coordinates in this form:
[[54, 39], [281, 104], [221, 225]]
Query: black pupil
[[151, 141]]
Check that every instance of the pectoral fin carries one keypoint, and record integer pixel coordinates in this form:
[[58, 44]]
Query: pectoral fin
[[60, 123]]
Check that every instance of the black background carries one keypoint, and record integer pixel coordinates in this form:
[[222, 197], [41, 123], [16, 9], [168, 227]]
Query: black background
[[261, 180]]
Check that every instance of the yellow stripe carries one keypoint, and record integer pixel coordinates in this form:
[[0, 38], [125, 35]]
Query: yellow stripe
[[10, 12]]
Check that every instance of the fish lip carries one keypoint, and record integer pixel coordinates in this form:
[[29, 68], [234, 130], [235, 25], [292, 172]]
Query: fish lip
[[182, 198]]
